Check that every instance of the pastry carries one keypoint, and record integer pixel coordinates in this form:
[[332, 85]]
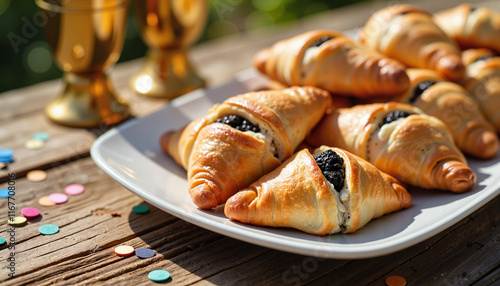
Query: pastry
[[400, 140], [242, 139], [482, 80], [452, 104], [471, 27], [408, 33], [334, 62], [328, 192]]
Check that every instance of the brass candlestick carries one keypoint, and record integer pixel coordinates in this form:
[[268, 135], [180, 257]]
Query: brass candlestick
[[87, 39], [168, 28]]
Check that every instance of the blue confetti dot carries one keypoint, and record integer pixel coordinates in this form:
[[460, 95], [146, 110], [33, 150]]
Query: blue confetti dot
[[4, 193], [144, 252], [159, 275], [6, 155]]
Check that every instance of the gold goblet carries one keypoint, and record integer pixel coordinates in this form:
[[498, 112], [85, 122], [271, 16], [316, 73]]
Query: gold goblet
[[168, 27], [87, 39]]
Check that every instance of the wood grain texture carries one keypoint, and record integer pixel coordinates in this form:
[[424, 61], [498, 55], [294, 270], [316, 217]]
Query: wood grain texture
[[82, 252]]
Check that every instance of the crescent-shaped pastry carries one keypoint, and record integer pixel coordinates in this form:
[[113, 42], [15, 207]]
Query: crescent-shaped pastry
[[482, 80], [471, 27], [242, 139], [400, 140], [408, 33], [452, 104], [329, 192], [334, 62]]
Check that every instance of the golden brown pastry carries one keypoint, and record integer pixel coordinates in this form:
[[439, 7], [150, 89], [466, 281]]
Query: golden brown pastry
[[242, 139], [299, 194], [400, 140], [471, 27], [332, 61], [408, 33], [482, 80], [452, 104]]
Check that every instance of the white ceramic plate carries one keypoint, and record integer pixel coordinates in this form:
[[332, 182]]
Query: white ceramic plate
[[131, 155]]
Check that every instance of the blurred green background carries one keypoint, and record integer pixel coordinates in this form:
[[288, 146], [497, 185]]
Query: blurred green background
[[26, 61]]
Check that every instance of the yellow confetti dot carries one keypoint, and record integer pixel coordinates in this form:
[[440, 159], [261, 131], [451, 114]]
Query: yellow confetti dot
[[34, 144], [16, 220], [124, 250]]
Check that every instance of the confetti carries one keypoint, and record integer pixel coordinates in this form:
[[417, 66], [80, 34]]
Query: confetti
[[48, 229], [140, 209], [124, 250], [144, 253], [159, 275], [34, 144], [46, 202], [2, 240], [74, 189], [30, 212], [395, 281], [16, 220], [42, 135], [36, 175], [58, 198], [4, 193], [6, 155]]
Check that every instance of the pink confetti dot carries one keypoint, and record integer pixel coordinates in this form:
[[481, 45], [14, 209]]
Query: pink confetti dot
[[30, 212], [58, 198], [74, 189]]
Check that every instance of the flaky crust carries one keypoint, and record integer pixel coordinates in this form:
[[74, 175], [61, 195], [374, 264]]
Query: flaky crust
[[417, 42], [297, 195], [452, 104], [339, 65], [482, 81], [220, 160], [471, 27], [417, 150]]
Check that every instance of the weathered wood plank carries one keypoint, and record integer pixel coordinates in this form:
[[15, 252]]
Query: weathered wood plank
[[65, 144], [83, 251]]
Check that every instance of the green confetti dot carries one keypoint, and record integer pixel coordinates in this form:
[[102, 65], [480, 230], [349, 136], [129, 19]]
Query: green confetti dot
[[2, 240], [140, 209], [42, 135], [48, 229], [159, 275]]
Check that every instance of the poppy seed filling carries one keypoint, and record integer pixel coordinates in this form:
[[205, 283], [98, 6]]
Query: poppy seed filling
[[331, 165], [483, 58], [393, 116], [238, 123], [420, 88], [320, 41]]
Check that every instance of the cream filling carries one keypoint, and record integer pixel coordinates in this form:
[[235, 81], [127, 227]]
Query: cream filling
[[381, 138], [342, 200], [309, 55], [308, 63]]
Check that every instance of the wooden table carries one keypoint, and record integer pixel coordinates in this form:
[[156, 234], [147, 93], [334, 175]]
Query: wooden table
[[82, 252]]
